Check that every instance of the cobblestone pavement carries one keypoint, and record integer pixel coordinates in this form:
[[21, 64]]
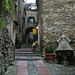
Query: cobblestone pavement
[[32, 68], [12, 70], [37, 67], [56, 69]]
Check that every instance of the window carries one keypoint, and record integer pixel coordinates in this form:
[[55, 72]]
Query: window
[[31, 20]]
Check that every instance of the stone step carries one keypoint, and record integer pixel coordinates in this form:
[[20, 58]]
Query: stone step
[[23, 50], [27, 55], [28, 59]]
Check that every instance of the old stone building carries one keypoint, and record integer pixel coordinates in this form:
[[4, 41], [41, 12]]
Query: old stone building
[[30, 20], [13, 23], [7, 40], [15, 26], [20, 19], [56, 17]]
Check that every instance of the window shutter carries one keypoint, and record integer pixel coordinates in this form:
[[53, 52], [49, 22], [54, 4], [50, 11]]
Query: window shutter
[[33, 20], [28, 19]]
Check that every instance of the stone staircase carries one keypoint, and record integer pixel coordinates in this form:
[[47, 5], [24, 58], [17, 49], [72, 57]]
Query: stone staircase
[[27, 54]]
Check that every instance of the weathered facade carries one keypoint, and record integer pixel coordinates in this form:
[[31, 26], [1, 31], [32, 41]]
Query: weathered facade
[[10, 26], [32, 15], [21, 18], [19, 22], [56, 17]]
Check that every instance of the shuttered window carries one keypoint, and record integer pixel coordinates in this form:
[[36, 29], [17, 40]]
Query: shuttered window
[[31, 20]]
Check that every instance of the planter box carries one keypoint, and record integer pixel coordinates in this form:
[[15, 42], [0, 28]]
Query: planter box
[[50, 57]]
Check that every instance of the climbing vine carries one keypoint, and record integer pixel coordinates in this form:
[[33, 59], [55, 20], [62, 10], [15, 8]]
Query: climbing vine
[[9, 7], [2, 23], [5, 6]]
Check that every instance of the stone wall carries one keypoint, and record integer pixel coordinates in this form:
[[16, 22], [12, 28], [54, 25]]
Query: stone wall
[[10, 26], [40, 23], [31, 14], [7, 49], [21, 15], [58, 17]]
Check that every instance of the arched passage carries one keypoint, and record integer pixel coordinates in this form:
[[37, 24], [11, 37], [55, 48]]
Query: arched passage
[[29, 35]]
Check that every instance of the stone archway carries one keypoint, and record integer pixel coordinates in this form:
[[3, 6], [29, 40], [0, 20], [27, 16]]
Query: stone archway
[[29, 35]]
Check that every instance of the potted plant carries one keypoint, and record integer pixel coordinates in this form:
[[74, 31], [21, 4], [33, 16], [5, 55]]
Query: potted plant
[[49, 50]]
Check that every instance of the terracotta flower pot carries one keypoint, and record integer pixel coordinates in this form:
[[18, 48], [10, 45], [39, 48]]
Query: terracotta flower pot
[[50, 57]]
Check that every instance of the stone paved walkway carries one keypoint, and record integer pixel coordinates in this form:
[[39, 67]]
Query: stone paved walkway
[[22, 68], [33, 66], [29, 63]]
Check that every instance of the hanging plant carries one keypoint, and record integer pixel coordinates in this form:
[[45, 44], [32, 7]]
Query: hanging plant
[[15, 7], [2, 6], [2, 25], [7, 5]]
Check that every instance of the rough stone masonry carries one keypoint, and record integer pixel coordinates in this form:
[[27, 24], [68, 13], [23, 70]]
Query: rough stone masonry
[[58, 17], [6, 49]]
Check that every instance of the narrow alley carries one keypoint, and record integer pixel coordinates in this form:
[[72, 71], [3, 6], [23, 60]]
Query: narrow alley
[[28, 62], [37, 37]]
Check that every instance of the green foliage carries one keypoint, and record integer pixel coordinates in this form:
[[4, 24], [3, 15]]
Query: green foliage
[[2, 23], [5, 67], [1, 73], [38, 51], [10, 5], [30, 41], [15, 7], [7, 5], [18, 42], [3, 5], [49, 49]]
